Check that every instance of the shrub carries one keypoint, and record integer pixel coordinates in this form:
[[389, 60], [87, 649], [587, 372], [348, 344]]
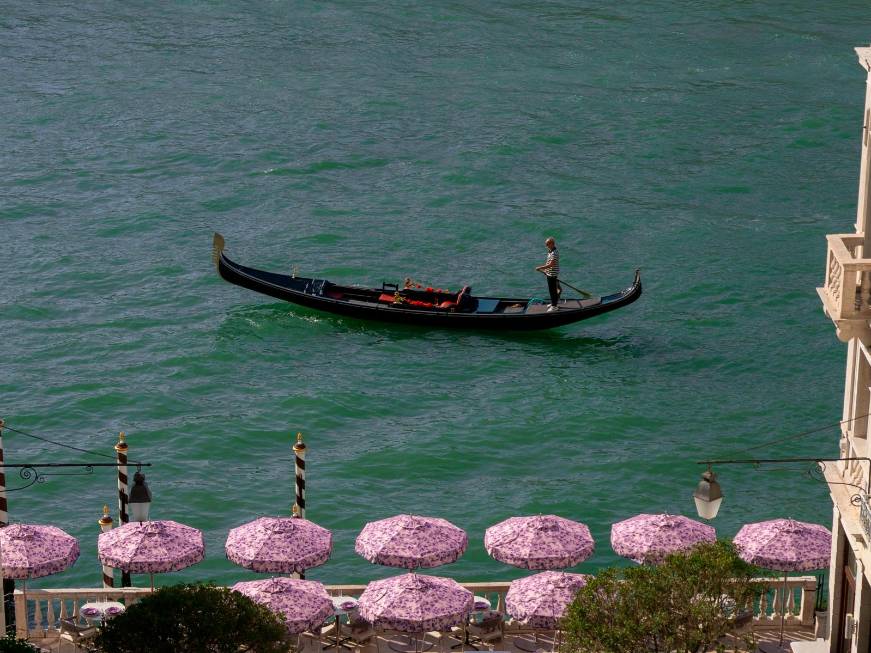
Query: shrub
[[195, 619], [684, 604], [11, 644]]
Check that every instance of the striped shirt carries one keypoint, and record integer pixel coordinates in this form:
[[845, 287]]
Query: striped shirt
[[552, 257]]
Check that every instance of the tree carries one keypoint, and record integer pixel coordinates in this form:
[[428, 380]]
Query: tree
[[684, 604], [195, 619]]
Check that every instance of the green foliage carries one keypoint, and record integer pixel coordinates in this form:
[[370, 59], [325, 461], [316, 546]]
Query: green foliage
[[195, 619], [684, 604], [11, 644]]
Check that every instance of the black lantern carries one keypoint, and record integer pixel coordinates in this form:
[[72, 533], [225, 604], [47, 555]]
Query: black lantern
[[708, 495], [140, 498]]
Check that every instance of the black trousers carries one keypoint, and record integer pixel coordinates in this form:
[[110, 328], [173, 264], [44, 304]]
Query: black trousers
[[553, 288]]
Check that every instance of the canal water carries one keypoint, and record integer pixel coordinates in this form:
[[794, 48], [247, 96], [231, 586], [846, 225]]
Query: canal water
[[713, 145]]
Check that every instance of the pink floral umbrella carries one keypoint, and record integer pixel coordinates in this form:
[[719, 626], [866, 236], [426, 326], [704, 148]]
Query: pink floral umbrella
[[784, 545], [151, 547], [541, 600], [33, 551], [304, 604], [279, 545], [410, 542], [415, 603], [539, 542], [648, 539]]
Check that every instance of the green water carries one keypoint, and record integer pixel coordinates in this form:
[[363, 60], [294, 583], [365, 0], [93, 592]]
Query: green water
[[712, 144]]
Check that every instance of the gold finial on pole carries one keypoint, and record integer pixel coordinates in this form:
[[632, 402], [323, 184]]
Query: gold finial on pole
[[106, 519], [122, 444], [300, 445]]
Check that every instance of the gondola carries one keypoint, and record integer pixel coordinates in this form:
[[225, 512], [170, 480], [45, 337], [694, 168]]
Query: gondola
[[424, 307]]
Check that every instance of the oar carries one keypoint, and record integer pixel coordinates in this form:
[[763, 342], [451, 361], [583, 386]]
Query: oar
[[583, 292]]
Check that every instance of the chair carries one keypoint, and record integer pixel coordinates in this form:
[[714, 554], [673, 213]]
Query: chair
[[489, 629], [741, 624], [78, 636], [361, 631]]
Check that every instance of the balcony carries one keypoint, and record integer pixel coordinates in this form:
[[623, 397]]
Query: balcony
[[37, 614], [846, 295]]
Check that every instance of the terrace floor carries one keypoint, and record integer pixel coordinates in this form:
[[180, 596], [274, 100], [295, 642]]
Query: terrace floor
[[748, 642]]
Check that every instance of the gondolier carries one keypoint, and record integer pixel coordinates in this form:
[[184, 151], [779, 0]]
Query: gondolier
[[551, 271]]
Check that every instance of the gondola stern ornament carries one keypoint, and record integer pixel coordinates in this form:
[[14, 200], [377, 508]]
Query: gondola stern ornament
[[217, 247]]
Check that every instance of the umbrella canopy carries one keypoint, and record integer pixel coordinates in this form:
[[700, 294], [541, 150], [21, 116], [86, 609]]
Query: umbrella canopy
[[279, 545], [541, 600], [648, 539], [304, 604], [540, 542], [33, 551], [151, 547], [409, 541], [413, 603], [784, 545]]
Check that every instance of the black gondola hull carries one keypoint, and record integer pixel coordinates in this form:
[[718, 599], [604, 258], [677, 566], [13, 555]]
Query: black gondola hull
[[298, 290]]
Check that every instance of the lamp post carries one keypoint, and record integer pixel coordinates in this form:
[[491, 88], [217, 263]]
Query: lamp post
[[140, 498], [708, 495]]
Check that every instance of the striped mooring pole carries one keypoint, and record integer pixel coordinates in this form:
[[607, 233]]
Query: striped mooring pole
[[106, 524], [121, 452], [299, 464]]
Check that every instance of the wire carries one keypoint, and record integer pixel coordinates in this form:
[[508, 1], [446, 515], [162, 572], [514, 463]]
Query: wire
[[806, 433], [60, 444]]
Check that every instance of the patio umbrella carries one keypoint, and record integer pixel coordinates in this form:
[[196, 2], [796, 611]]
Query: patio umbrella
[[304, 604], [279, 545], [539, 542], [541, 600], [34, 551], [414, 603], [648, 539], [410, 541], [784, 545], [151, 547]]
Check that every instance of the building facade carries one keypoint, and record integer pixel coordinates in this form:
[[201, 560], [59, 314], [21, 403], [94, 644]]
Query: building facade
[[846, 297]]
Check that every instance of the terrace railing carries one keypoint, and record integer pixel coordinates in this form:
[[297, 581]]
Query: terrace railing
[[37, 615]]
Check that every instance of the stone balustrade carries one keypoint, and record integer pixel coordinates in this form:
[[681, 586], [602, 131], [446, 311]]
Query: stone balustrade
[[846, 294], [45, 607]]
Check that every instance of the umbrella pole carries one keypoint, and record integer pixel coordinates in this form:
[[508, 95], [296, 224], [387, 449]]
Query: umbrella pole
[[152, 582], [783, 604], [26, 616]]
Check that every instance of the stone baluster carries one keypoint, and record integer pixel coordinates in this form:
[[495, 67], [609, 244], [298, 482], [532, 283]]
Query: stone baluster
[[808, 602]]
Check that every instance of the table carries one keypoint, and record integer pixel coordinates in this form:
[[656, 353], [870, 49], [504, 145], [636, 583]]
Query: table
[[97, 612], [342, 605]]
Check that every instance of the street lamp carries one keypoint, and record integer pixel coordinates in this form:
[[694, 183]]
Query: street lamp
[[708, 495], [140, 498]]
